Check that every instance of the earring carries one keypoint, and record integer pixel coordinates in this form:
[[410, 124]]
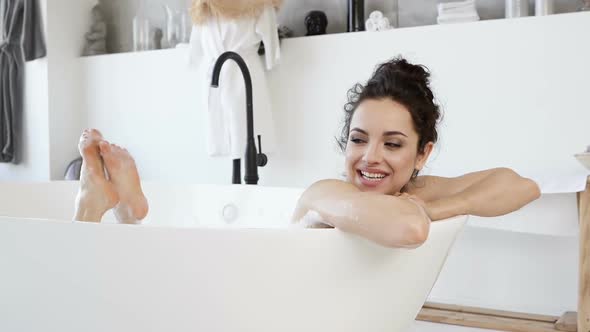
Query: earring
[[414, 174]]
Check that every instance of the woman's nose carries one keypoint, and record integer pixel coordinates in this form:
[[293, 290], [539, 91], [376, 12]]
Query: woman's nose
[[372, 154]]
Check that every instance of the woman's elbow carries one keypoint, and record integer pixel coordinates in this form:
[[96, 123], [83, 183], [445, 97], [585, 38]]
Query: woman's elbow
[[530, 187], [419, 233], [415, 233]]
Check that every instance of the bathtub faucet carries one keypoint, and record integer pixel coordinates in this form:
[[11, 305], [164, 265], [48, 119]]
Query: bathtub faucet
[[253, 159]]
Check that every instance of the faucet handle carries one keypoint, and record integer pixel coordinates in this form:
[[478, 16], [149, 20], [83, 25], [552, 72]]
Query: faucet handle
[[261, 158]]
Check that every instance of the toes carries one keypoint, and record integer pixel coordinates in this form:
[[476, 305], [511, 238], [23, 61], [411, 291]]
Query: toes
[[92, 133], [87, 149], [90, 136], [90, 155], [95, 134], [109, 154], [95, 131], [105, 147]]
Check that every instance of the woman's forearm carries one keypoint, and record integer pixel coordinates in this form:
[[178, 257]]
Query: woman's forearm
[[499, 193], [387, 220], [384, 219], [447, 207]]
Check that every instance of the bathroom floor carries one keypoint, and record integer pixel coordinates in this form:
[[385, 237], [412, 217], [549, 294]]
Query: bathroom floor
[[420, 326]]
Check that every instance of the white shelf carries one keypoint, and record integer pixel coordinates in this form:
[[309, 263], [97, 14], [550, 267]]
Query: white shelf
[[424, 31]]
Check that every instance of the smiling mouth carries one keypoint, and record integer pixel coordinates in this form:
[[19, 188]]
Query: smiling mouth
[[373, 177]]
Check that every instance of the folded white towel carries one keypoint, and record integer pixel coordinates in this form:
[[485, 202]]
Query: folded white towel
[[456, 19], [455, 5], [458, 12], [461, 12], [455, 12], [459, 16]]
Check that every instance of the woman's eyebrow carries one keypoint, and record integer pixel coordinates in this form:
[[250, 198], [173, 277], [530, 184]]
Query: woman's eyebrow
[[393, 133], [359, 130]]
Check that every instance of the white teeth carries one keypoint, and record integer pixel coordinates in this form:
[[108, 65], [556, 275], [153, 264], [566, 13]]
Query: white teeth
[[372, 176]]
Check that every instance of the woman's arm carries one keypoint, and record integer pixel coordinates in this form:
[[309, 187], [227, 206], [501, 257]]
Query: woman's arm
[[388, 220], [488, 193]]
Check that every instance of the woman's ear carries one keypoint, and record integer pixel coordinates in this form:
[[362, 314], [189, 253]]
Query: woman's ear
[[422, 157]]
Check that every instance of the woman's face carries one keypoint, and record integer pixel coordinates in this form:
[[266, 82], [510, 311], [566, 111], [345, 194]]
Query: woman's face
[[382, 149]]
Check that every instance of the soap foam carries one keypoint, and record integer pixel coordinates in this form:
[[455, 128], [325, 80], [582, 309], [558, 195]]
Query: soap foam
[[312, 219]]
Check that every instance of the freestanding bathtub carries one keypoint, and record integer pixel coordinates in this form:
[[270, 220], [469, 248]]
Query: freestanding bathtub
[[208, 258]]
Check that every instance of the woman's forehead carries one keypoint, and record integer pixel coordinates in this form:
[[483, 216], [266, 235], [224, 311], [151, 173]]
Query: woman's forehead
[[382, 115]]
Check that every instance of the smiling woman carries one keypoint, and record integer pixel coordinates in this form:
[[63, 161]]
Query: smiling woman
[[380, 159], [396, 110], [389, 132]]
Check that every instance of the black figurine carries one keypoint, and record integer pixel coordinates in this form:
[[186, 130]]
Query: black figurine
[[316, 22]]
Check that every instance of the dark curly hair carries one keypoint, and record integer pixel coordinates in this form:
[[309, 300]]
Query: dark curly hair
[[405, 83]]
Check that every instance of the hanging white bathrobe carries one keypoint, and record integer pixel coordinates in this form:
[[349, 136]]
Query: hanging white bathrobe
[[226, 107]]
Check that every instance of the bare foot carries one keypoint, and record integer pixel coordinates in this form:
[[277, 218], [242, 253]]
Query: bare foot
[[96, 194], [123, 174]]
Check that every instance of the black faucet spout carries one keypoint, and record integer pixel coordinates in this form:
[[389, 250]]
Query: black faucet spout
[[251, 164]]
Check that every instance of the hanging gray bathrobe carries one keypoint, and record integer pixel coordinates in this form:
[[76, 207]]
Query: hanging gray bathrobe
[[21, 39]]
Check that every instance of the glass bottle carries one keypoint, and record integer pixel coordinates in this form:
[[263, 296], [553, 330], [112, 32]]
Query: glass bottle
[[517, 8], [141, 29], [544, 7], [176, 26]]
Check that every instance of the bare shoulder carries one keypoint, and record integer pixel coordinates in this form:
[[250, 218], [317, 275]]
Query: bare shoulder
[[430, 187], [427, 187]]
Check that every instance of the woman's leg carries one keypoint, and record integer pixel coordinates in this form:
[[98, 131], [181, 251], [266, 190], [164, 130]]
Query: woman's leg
[[132, 205], [96, 194]]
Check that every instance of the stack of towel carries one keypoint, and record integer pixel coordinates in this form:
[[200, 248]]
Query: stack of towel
[[377, 22], [456, 12]]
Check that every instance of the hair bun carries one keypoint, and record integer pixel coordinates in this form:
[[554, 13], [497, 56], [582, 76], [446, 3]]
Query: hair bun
[[401, 70]]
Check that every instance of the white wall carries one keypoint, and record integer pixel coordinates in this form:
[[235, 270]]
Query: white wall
[[513, 92], [67, 25]]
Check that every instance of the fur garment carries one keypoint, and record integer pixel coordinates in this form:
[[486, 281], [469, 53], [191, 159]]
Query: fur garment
[[202, 10]]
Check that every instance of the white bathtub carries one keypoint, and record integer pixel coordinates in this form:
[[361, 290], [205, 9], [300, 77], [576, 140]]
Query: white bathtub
[[246, 272]]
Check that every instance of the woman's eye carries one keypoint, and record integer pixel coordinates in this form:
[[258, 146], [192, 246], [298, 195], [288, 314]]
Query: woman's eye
[[393, 145], [356, 140]]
